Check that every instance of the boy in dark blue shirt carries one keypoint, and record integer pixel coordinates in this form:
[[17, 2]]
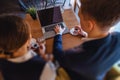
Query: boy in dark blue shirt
[[93, 58]]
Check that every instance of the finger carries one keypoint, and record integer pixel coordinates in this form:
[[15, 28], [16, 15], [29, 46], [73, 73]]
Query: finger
[[56, 27], [41, 47], [80, 30], [82, 34]]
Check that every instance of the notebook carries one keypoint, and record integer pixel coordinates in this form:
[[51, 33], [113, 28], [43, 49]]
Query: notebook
[[49, 18]]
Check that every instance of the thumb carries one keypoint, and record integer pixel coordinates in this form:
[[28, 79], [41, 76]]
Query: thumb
[[41, 47]]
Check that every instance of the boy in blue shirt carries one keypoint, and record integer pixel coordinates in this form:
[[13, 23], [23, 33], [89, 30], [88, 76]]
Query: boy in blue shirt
[[93, 58]]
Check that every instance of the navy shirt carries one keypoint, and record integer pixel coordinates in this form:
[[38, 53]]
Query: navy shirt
[[28, 70], [90, 60]]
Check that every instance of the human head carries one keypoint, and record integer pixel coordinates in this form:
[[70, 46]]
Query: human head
[[105, 13], [14, 33]]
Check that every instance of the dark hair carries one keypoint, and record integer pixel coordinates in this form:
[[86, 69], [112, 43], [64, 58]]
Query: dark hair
[[14, 33], [105, 12]]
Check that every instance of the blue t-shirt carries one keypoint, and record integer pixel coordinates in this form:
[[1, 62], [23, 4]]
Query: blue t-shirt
[[91, 60]]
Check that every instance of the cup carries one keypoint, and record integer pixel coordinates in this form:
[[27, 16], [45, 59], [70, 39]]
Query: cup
[[33, 44], [75, 32]]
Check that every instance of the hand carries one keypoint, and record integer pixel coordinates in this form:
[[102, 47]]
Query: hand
[[79, 31], [46, 57], [33, 44], [42, 49], [59, 30]]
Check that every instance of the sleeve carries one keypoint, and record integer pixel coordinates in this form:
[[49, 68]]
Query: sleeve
[[66, 58]]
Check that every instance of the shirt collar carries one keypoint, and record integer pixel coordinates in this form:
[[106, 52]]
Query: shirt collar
[[30, 54]]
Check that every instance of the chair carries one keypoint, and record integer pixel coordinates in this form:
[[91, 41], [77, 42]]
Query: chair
[[75, 4], [1, 77], [114, 72]]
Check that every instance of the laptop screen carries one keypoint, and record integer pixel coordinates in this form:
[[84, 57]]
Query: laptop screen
[[50, 16]]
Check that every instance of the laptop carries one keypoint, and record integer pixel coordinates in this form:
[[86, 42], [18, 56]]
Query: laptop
[[49, 18]]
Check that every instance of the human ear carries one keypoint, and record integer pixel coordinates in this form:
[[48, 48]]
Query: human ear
[[90, 26], [86, 23], [28, 41]]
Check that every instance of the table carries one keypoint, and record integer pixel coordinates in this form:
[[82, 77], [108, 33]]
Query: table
[[69, 41]]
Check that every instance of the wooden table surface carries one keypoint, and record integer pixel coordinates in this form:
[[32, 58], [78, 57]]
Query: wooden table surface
[[69, 41]]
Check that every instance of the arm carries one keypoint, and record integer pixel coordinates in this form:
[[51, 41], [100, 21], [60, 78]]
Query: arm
[[66, 58]]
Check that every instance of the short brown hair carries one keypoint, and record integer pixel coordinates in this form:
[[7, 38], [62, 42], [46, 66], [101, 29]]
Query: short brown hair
[[105, 12], [14, 33]]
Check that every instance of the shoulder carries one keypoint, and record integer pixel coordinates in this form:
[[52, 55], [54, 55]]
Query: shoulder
[[37, 59], [115, 34]]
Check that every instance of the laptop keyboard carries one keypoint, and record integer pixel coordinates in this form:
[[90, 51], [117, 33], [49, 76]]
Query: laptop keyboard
[[51, 27]]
